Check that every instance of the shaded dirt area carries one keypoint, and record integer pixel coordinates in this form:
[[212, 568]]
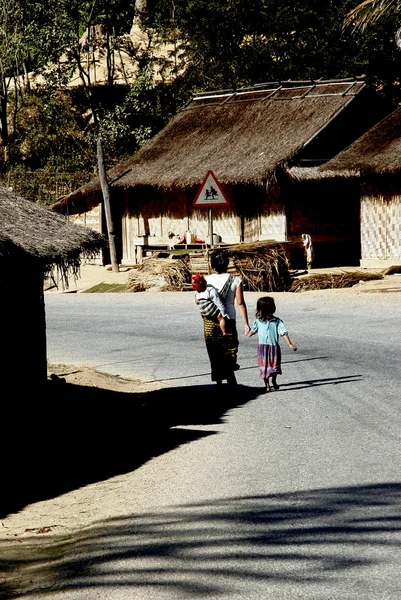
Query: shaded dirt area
[[77, 429], [92, 378], [70, 452]]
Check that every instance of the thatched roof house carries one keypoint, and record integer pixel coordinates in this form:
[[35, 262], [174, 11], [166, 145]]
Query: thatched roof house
[[374, 161], [247, 138], [33, 242], [375, 153]]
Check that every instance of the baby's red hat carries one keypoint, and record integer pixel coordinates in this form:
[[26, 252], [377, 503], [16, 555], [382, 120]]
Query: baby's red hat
[[199, 283]]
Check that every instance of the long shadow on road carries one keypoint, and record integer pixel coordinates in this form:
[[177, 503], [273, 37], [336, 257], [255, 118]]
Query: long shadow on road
[[340, 542], [66, 436]]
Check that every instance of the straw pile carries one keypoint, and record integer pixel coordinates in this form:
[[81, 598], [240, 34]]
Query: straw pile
[[329, 281], [160, 275], [394, 269], [262, 266]]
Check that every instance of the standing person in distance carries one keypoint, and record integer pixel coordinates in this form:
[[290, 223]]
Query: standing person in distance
[[223, 350], [269, 329]]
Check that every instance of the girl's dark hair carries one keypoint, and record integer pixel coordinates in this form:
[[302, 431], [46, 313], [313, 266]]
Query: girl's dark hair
[[219, 261], [265, 307]]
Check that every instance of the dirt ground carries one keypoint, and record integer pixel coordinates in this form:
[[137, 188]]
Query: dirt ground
[[84, 376], [78, 382]]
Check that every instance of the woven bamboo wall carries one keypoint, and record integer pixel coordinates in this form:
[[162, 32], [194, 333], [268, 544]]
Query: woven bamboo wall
[[149, 212], [176, 214], [381, 227], [91, 219], [225, 224], [273, 221]]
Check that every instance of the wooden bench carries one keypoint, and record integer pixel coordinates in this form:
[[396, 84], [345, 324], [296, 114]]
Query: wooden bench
[[153, 244]]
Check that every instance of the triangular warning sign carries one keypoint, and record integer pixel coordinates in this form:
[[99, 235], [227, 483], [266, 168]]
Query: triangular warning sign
[[210, 192]]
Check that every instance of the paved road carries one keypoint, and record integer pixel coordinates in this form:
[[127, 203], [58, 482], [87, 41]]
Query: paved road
[[292, 495]]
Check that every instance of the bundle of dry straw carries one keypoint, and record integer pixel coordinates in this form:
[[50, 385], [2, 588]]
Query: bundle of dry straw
[[328, 281], [160, 275], [263, 267]]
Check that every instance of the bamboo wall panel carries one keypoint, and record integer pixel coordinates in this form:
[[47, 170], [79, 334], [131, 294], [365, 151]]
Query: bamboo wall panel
[[381, 227], [174, 210], [224, 224], [91, 219], [252, 229], [273, 221]]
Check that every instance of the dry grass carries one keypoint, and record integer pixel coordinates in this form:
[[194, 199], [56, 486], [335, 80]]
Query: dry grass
[[375, 153], [31, 232], [331, 281], [160, 275], [262, 267]]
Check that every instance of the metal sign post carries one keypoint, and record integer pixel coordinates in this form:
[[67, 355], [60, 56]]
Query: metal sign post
[[210, 194]]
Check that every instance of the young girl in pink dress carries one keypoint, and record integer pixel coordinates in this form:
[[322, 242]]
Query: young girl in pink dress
[[269, 329]]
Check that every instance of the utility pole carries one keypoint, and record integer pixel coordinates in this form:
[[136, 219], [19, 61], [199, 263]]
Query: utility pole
[[106, 203]]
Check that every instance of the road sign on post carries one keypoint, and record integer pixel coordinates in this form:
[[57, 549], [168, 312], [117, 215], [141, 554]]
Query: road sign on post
[[210, 194]]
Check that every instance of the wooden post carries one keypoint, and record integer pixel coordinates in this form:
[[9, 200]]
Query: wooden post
[[106, 201], [211, 227]]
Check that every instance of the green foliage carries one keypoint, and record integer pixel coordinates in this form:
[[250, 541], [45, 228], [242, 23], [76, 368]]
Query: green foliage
[[44, 186], [54, 26], [144, 111], [229, 44], [50, 132], [368, 12], [211, 44], [28, 186]]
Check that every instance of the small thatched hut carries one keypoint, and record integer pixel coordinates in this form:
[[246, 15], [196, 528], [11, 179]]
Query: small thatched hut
[[247, 138], [373, 162], [33, 242]]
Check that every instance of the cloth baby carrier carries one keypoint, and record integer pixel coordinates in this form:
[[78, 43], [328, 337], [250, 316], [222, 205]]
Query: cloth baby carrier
[[207, 307]]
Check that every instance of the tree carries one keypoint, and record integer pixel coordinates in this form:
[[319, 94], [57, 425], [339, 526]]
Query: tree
[[206, 44], [12, 57], [231, 44], [371, 11]]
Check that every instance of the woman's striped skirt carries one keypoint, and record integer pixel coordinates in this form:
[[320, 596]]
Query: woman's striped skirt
[[222, 349]]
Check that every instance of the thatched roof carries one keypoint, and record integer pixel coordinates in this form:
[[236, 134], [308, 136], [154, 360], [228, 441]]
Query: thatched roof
[[30, 232], [317, 173], [377, 152], [243, 136]]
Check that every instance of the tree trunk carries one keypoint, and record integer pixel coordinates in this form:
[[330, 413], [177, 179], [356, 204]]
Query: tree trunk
[[3, 118], [140, 7], [106, 202]]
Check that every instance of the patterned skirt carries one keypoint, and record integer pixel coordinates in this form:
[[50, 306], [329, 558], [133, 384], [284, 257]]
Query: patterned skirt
[[222, 349], [269, 360]]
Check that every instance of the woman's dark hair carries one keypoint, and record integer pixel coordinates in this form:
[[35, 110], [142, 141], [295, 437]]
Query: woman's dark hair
[[265, 307], [219, 261]]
